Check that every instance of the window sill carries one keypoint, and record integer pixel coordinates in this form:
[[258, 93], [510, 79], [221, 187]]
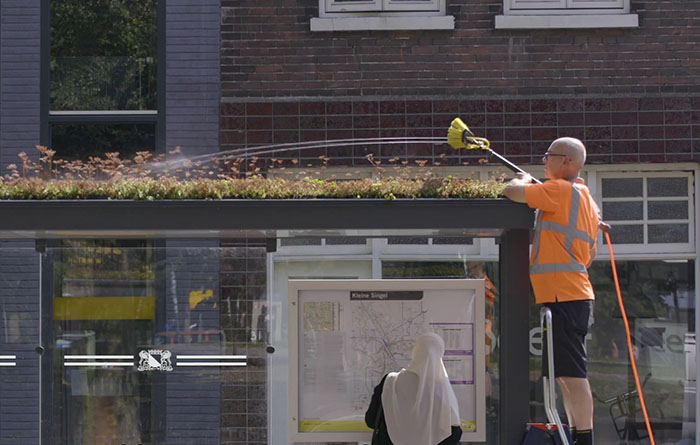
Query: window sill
[[572, 21], [324, 24]]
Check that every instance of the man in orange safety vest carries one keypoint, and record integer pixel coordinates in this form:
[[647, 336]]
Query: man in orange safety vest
[[563, 248]]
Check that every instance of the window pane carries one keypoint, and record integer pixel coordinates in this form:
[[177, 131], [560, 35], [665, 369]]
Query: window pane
[[659, 301], [623, 211], [79, 141], [668, 233], [301, 241], [340, 240], [411, 5], [103, 55], [619, 188], [406, 240], [104, 303], [667, 187], [423, 269], [627, 234], [352, 5], [453, 240], [668, 209]]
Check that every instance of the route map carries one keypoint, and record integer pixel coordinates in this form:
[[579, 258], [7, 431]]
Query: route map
[[349, 338], [382, 337]]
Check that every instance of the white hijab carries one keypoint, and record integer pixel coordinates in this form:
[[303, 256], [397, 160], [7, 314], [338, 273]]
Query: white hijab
[[419, 404]]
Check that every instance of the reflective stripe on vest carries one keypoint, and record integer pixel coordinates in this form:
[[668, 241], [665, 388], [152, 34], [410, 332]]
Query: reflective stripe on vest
[[570, 233]]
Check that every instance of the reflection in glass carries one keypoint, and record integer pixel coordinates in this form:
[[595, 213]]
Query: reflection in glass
[[80, 141], [178, 317], [659, 300], [103, 55], [103, 299]]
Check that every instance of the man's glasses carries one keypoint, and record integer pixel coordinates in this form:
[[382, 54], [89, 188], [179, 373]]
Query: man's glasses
[[546, 156]]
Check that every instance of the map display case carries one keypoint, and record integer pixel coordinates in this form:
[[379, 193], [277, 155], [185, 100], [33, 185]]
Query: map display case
[[345, 335]]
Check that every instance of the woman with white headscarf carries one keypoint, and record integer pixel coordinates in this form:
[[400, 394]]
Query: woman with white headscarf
[[416, 406]]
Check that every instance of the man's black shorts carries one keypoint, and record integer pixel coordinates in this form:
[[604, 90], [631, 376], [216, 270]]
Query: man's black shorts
[[570, 323]]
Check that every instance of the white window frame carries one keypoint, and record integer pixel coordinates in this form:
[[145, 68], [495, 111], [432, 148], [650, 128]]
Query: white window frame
[[330, 6], [325, 250], [566, 14], [656, 250], [567, 7], [382, 15], [333, 7]]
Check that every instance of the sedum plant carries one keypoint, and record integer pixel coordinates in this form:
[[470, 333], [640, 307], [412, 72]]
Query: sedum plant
[[148, 177]]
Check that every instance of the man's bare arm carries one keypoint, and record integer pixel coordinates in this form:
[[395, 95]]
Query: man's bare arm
[[515, 190]]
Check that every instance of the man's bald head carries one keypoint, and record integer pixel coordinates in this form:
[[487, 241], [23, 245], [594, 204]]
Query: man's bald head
[[573, 148]]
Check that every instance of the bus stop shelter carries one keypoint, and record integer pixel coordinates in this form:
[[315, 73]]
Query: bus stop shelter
[[37, 227]]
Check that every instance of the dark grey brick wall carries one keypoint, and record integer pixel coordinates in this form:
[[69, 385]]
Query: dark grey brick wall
[[244, 418], [19, 335], [193, 395], [19, 79], [192, 76]]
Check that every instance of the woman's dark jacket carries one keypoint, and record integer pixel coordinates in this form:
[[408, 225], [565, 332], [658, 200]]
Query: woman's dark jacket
[[382, 436]]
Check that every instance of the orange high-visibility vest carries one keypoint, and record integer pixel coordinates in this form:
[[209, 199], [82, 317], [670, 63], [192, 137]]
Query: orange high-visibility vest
[[565, 233]]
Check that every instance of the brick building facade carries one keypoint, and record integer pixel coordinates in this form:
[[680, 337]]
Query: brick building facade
[[630, 94]]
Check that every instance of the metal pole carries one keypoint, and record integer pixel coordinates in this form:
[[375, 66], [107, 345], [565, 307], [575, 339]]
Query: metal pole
[[514, 403], [509, 164]]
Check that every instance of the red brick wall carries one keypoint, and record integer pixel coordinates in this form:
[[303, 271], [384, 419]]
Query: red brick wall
[[267, 51], [617, 129]]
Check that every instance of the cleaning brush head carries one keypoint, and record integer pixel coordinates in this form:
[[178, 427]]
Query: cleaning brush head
[[457, 132], [460, 136]]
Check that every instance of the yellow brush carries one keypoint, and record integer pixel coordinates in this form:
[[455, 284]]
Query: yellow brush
[[460, 136]]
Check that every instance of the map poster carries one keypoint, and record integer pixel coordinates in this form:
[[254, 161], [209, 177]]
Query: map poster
[[345, 335]]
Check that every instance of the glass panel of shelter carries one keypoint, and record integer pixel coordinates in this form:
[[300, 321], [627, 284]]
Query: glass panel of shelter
[[123, 317], [179, 301], [660, 303], [103, 299], [20, 340], [419, 257], [154, 341]]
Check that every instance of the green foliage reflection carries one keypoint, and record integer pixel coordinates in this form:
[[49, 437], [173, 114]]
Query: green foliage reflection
[[103, 54]]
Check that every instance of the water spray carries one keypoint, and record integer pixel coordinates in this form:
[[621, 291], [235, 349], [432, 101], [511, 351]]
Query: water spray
[[273, 149]]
